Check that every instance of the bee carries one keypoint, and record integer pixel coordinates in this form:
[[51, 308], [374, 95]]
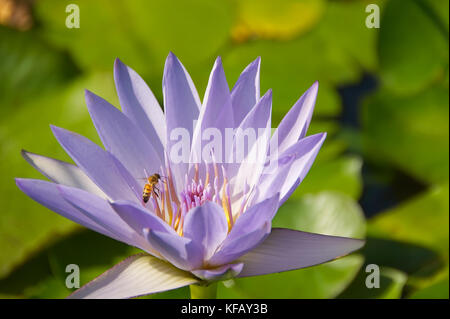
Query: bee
[[151, 187]]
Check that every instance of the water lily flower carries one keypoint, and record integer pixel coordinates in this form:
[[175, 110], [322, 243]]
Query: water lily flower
[[204, 221]]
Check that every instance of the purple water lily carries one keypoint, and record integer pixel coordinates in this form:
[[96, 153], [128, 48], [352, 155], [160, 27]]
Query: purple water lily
[[203, 221]]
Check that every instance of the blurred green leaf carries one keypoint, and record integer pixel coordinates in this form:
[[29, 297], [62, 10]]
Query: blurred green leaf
[[140, 32], [420, 226], [391, 286], [419, 221], [438, 290], [413, 49], [24, 224], [29, 67], [411, 132], [350, 44], [340, 175], [439, 8], [275, 20], [326, 213]]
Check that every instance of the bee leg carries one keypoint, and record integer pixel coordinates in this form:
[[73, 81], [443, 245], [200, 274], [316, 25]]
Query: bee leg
[[156, 191]]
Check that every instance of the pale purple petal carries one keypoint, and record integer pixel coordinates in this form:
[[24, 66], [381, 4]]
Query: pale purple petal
[[207, 226], [137, 275], [101, 167], [62, 173], [140, 105], [294, 164], [248, 231], [248, 162], [181, 108], [47, 194], [122, 138], [296, 122], [139, 218], [286, 249], [220, 273], [245, 92], [100, 211], [216, 112], [182, 252], [237, 246], [255, 216]]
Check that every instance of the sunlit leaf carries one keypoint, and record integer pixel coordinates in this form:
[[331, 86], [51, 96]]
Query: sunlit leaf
[[419, 221], [410, 132], [413, 49], [275, 20], [140, 32], [341, 175], [391, 283], [29, 67]]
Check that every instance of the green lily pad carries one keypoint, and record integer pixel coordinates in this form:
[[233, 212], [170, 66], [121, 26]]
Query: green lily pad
[[439, 8], [421, 227], [422, 221], [138, 31], [409, 132], [413, 50], [275, 20], [29, 67], [392, 282], [340, 175], [438, 290], [327, 213]]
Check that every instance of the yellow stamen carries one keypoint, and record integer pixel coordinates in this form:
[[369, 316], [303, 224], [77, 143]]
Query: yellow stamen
[[196, 173], [226, 205], [168, 202], [171, 187], [207, 175]]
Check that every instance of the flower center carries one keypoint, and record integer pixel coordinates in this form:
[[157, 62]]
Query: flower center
[[172, 207]]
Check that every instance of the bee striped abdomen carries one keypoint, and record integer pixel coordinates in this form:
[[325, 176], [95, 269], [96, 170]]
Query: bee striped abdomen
[[147, 192]]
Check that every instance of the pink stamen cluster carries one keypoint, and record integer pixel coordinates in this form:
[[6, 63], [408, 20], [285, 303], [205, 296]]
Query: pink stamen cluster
[[173, 208]]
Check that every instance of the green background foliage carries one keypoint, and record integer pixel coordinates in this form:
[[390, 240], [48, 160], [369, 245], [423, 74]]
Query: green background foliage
[[382, 173]]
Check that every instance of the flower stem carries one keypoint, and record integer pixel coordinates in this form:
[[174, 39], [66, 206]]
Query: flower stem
[[204, 291]]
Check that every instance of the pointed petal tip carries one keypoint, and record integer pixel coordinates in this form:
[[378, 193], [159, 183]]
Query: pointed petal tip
[[314, 88], [256, 63], [171, 58], [24, 153], [172, 63], [88, 95], [118, 65], [56, 129], [90, 98], [268, 94], [19, 182]]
